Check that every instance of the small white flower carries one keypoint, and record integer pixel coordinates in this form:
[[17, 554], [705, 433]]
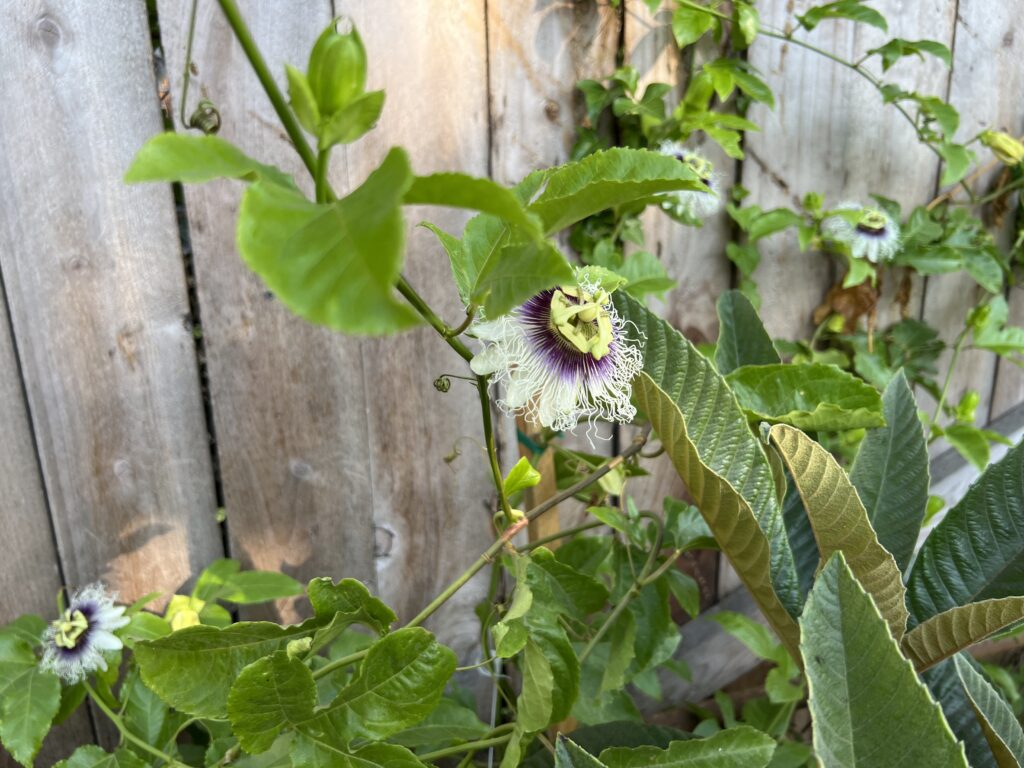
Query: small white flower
[[691, 203], [561, 356], [871, 234], [74, 644]]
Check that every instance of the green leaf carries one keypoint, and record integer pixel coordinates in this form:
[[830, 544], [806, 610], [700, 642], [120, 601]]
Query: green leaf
[[952, 631], [742, 339], [309, 751], [746, 24], [945, 686], [225, 580], [400, 681], [457, 190], [854, 10], [1001, 727], [897, 48], [29, 697], [841, 523], [449, 723], [810, 396], [564, 588], [146, 715], [657, 635], [534, 703], [94, 757], [607, 179], [457, 257], [520, 477], [352, 121], [890, 473], [729, 74], [144, 626], [734, 488], [689, 25], [570, 755], [977, 551], [193, 669], [990, 330], [847, 648], [621, 652], [195, 159], [644, 274], [514, 272], [740, 747], [333, 264], [271, 694], [302, 99], [957, 158], [970, 442], [685, 590], [775, 220], [353, 600]]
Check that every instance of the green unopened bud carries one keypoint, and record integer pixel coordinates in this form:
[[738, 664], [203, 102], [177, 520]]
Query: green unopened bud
[[836, 323], [967, 408], [184, 618], [297, 648], [1008, 149], [337, 67]]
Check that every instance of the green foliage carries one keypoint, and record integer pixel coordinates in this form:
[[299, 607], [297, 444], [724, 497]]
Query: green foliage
[[897, 48], [197, 159], [854, 10], [1001, 727], [94, 757], [740, 747], [29, 696], [225, 580], [742, 340]]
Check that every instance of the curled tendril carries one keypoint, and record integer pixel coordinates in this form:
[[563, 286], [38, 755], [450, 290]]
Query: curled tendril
[[205, 117], [442, 383]]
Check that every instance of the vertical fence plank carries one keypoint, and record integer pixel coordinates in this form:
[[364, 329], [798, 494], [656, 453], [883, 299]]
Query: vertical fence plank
[[30, 575], [988, 78], [288, 397], [95, 283], [436, 513], [538, 51], [831, 133]]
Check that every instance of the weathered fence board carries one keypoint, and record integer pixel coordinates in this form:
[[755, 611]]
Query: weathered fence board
[[93, 276], [288, 397]]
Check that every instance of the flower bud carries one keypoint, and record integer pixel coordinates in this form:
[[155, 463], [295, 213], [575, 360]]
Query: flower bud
[[337, 67], [1008, 149]]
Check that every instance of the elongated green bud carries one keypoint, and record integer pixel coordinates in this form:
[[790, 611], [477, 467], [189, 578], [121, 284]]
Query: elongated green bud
[[1008, 149], [337, 67]]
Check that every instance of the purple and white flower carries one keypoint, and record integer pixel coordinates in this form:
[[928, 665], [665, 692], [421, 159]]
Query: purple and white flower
[[561, 356], [692, 203], [74, 644], [868, 232]]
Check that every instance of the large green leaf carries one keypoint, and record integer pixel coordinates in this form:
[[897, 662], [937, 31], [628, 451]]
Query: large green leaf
[[977, 551], [533, 706], [515, 271], [890, 473], [740, 747], [335, 264], [271, 694], [29, 697], [457, 190], [94, 757], [604, 180], [723, 465], [448, 723], [193, 669], [1000, 725], [840, 523], [194, 159], [952, 631], [742, 339], [945, 686], [809, 396], [146, 715], [343, 604], [858, 723]]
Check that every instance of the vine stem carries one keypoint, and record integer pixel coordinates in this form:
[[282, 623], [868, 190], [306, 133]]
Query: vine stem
[[469, 746], [949, 375], [126, 734]]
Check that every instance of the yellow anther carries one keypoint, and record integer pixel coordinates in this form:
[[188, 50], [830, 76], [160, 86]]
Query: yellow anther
[[70, 628]]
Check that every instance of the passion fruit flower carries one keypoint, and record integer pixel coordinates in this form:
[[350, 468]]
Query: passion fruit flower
[[692, 203], [565, 354], [74, 644], [868, 232]]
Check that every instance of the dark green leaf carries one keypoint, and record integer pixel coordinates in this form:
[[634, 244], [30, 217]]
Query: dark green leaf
[[740, 747], [270, 695], [94, 757], [1001, 727], [742, 339], [310, 751], [569, 755], [944, 683], [449, 723]]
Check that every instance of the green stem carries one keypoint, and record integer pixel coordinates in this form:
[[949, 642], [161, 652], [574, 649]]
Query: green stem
[[420, 305], [468, 746], [560, 535], [323, 192], [949, 375], [344, 661], [123, 729], [492, 449]]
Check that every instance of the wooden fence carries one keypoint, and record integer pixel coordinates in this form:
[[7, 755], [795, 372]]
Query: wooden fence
[[145, 382]]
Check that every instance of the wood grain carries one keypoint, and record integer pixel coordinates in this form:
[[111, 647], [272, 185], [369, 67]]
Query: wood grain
[[831, 133], [288, 397], [94, 279]]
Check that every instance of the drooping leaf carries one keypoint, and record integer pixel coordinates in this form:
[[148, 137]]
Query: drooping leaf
[[533, 706], [840, 522], [897, 48], [334, 264], [742, 339], [606, 179], [195, 159], [809, 396], [723, 465], [29, 697], [956, 629], [739, 747], [977, 551], [854, 10], [890, 473], [457, 190], [194, 668], [225, 580], [847, 648], [94, 757], [146, 715], [1000, 725]]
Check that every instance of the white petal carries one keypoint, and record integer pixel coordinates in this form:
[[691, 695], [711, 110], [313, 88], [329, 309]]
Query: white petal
[[105, 641], [491, 359]]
